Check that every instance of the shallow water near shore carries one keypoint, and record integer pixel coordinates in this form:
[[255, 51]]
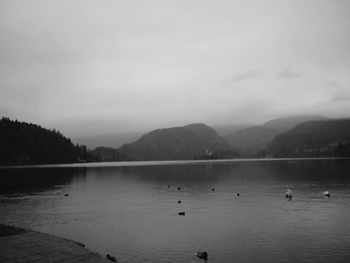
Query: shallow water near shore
[[132, 212]]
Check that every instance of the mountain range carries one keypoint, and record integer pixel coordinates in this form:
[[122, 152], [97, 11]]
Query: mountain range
[[199, 141], [313, 139], [301, 136], [251, 140]]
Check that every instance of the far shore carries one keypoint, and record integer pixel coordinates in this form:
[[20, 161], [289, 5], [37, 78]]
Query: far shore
[[167, 162]]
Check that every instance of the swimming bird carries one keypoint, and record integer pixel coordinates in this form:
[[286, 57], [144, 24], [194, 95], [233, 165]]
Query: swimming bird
[[79, 244], [111, 258], [327, 194], [181, 213], [289, 194], [179, 202], [238, 194], [179, 188], [213, 189], [202, 255]]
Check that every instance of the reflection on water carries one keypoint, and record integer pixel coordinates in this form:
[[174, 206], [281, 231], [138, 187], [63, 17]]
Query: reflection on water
[[131, 212], [20, 181]]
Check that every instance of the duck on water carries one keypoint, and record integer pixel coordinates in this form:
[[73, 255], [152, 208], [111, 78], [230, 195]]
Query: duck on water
[[202, 255], [289, 194], [327, 194]]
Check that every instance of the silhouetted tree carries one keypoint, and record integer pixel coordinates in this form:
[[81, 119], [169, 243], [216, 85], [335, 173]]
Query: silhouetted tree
[[27, 143]]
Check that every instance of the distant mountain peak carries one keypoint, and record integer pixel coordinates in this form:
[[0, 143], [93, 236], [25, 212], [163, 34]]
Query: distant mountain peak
[[256, 138], [313, 139], [185, 142], [287, 123]]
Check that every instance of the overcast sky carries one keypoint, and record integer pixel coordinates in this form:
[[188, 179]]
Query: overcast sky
[[89, 67]]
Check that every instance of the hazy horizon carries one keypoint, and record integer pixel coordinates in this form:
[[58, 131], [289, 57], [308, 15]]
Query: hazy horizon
[[92, 68], [115, 140]]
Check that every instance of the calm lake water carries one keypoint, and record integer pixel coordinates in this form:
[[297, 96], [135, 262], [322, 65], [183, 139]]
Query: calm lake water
[[131, 213]]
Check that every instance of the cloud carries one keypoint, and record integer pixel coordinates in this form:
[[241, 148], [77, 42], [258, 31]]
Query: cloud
[[333, 84], [341, 96], [135, 65], [287, 74], [339, 93], [249, 75]]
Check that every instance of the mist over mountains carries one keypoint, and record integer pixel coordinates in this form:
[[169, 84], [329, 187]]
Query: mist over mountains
[[117, 139], [300, 136], [199, 141], [178, 143], [313, 139], [114, 140], [253, 139]]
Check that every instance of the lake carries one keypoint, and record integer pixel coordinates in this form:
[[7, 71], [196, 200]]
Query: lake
[[131, 212]]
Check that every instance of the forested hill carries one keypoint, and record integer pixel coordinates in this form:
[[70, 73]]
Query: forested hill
[[26, 143], [313, 139], [194, 141]]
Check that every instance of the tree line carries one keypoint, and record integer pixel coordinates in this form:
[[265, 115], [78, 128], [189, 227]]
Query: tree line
[[27, 143]]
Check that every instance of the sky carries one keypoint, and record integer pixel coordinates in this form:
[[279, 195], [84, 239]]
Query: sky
[[109, 67]]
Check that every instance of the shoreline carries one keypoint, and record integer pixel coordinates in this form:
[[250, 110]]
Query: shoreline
[[24, 245], [167, 162]]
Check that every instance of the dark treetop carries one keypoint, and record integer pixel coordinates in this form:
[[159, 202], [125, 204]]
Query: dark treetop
[[26, 143]]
